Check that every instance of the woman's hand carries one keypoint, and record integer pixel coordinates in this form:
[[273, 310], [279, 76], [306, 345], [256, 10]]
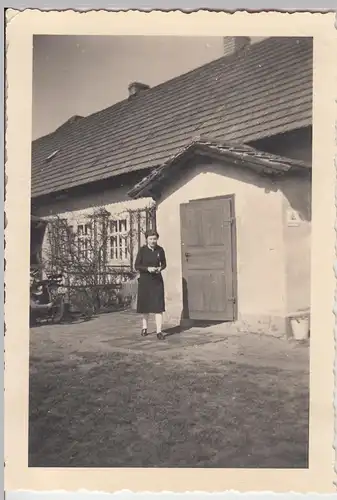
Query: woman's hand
[[154, 270]]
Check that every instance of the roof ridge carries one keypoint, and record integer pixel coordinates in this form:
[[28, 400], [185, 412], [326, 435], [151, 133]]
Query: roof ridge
[[244, 97], [228, 58], [214, 62]]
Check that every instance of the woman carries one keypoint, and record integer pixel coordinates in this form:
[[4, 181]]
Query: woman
[[149, 263]]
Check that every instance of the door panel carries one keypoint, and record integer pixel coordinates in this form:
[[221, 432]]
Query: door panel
[[207, 258]]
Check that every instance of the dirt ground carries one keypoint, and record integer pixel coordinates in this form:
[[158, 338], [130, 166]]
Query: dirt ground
[[102, 396]]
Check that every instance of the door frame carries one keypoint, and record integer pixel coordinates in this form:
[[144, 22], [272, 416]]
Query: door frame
[[233, 248]]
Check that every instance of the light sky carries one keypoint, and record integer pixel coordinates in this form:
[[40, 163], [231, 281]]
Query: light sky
[[78, 75]]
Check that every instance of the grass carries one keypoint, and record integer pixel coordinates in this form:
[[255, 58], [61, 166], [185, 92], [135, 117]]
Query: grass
[[129, 410]]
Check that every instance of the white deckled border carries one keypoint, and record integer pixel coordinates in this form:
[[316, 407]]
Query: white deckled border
[[320, 475]]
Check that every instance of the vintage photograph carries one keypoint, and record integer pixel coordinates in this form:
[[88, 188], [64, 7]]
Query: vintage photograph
[[170, 251]]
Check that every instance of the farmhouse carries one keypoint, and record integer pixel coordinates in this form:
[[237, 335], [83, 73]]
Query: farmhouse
[[222, 157]]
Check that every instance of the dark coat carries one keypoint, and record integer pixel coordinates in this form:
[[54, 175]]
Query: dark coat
[[150, 286]]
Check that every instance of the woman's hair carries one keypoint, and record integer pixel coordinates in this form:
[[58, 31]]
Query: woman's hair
[[151, 232]]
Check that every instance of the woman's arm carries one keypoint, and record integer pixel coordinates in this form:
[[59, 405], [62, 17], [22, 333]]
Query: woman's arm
[[163, 263], [139, 265]]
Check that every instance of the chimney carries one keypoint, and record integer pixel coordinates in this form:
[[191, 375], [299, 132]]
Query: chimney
[[136, 88], [235, 44]]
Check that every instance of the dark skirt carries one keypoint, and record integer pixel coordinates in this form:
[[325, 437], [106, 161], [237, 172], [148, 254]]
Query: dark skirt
[[150, 297]]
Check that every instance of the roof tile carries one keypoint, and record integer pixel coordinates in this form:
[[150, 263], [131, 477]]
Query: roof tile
[[264, 91]]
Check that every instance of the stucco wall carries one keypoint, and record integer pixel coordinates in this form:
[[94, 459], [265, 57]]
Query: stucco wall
[[297, 237], [297, 200], [260, 243]]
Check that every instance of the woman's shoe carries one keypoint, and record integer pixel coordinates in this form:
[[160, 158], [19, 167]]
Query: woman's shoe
[[160, 336], [144, 332]]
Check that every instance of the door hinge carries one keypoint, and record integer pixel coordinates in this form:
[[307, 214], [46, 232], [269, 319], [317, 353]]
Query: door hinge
[[232, 299], [231, 220]]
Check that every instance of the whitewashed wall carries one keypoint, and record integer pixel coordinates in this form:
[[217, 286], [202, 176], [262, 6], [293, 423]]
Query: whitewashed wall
[[261, 252]]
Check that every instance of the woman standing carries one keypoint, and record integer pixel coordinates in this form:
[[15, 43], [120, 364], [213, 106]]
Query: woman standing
[[149, 263]]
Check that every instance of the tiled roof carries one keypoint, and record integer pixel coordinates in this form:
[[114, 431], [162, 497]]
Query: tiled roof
[[263, 163], [265, 90]]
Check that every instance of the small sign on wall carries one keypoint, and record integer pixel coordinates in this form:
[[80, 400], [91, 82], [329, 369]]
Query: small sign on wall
[[293, 218]]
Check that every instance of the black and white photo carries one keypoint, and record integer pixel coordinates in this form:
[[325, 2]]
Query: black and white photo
[[169, 246], [216, 160]]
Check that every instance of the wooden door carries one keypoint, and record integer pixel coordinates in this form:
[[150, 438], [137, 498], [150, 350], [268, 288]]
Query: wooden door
[[208, 259]]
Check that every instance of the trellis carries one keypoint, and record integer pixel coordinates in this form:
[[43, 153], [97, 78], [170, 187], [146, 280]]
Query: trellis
[[81, 253], [87, 245]]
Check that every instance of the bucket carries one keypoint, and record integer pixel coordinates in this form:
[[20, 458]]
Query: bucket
[[300, 327]]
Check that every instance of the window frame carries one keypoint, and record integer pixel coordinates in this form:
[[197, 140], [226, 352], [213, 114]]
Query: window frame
[[84, 240], [118, 240]]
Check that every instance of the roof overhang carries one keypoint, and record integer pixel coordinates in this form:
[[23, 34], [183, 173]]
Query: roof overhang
[[239, 155], [37, 220]]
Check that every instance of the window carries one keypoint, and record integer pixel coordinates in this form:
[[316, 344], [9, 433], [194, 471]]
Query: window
[[118, 248], [84, 241]]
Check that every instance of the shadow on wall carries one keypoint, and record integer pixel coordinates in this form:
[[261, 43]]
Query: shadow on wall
[[89, 196], [295, 187], [191, 169], [297, 190], [297, 145]]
